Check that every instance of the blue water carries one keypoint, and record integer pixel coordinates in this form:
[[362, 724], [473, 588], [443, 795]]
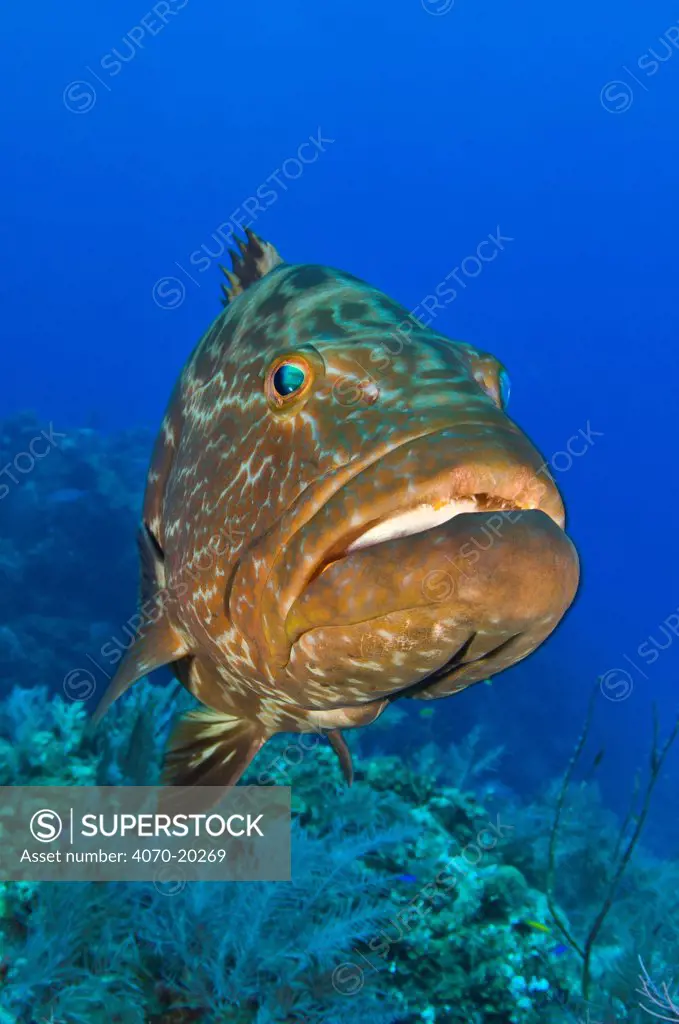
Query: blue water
[[553, 124]]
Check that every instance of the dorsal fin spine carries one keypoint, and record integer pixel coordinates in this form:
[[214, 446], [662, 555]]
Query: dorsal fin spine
[[254, 262]]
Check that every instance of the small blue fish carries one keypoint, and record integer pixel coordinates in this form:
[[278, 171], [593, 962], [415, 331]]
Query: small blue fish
[[407, 878]]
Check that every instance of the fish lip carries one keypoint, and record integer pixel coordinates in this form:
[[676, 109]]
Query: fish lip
[[332, 562], [503, 499]]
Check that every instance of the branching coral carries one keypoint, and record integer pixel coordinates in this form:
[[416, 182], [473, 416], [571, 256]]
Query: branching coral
[[659, 998], [624, 848]]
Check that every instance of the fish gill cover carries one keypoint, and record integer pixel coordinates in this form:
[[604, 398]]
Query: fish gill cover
[[337, 516]]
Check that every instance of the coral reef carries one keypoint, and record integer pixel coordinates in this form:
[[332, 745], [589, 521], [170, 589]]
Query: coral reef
[[409, 901]]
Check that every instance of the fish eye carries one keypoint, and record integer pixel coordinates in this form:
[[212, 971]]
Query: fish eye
[[287, 380], [505, 388]]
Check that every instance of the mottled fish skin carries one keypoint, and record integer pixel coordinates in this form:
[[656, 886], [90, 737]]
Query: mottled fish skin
[[251, 505]]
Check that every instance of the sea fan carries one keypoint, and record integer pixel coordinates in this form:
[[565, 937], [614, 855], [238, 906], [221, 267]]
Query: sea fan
[[227, 952]]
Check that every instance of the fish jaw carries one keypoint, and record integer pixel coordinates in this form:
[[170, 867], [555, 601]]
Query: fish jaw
[[440, 564], [427, 614], [419, 483]]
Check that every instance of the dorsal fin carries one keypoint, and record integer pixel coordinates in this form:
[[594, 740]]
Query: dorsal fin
[[256, 259]]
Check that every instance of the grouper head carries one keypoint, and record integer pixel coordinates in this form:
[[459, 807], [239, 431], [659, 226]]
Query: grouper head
[[340, 509], [400, 532]]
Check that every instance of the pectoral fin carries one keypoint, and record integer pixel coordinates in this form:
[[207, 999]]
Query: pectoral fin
[[156, 643], [156, 646]]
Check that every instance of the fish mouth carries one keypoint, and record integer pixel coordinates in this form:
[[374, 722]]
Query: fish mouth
[[437, 571], [413, 490], [390, 543], [431, 489], [379, 547], [421, 518]]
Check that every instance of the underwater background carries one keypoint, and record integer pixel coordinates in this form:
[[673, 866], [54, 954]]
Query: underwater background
[[132, 134]]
